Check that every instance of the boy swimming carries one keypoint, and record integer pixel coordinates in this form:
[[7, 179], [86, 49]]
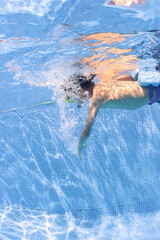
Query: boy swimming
[[123, 93], [117, 87]]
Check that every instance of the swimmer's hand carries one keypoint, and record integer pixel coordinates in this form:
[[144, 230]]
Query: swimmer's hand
[[80, 151], [81, 145]]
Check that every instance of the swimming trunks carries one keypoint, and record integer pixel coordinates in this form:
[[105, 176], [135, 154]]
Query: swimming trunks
[[151, 94], [148, 76]]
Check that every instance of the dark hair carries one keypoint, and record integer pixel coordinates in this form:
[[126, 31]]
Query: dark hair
[[79, 80]]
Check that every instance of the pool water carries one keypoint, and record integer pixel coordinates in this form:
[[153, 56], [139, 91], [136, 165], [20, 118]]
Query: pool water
[[46, 191]]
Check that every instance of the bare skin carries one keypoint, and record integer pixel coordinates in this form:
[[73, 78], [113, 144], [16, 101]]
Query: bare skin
[[116, 89], [126, 3]]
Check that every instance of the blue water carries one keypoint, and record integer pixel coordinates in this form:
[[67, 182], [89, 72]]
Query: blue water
[[46, 191]]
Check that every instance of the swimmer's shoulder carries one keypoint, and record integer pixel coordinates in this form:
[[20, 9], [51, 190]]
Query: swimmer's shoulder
[[100, 93]]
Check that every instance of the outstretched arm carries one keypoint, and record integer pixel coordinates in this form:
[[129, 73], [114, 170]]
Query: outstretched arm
[[93, 109]]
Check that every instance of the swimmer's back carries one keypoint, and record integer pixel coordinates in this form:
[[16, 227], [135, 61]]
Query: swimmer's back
[[120, 94]]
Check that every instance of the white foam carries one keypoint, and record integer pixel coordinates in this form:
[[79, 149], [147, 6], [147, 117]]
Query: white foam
[[147, 73], [146, 78]]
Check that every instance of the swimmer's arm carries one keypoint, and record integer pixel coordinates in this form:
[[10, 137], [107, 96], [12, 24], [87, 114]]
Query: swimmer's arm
[[93, 109]]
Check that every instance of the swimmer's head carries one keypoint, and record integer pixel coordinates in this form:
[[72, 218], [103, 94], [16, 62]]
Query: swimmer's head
[[78, 88]]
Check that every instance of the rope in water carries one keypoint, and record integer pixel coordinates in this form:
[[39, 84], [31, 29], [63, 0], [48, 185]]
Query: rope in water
[[22, 108]]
